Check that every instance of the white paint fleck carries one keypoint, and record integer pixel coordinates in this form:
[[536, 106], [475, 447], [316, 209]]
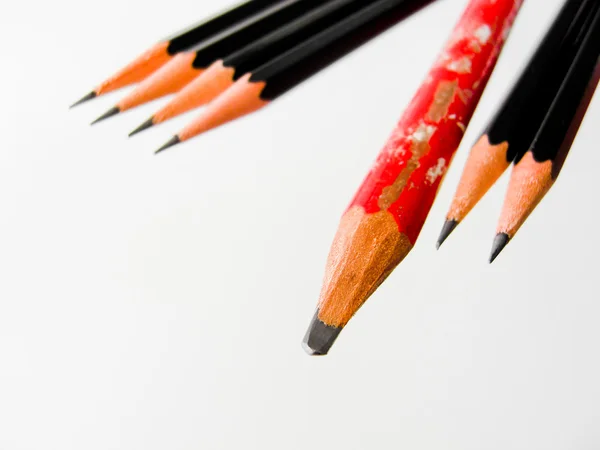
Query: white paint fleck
[[483, 34], [423, 133], [452, 116], [436, 171], [462, 65], [475, 45]]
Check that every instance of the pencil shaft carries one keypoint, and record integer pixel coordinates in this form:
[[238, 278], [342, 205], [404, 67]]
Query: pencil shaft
[[525, 106], [224, 72], [554, 128], [284, 39], [162, 52], [309, 57], [256, 89], [270, 19], [188, 65], [536, 171], [387, 213], [205, 29], [429, 132], [513, 127]]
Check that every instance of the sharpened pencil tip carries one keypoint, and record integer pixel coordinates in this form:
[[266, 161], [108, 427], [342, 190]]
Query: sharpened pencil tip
[[147, 124], [447, 229], [500, 242], [320, 337], [111, 112], [84, 99], [173, 141]]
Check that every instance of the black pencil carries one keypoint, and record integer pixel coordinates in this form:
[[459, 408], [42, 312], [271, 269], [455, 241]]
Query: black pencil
[[515, 123], [187, 65], [224, 72], [256, 89], [536, 169], [159, 54]]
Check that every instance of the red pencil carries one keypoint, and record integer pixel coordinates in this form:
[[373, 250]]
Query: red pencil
[[385, 217]]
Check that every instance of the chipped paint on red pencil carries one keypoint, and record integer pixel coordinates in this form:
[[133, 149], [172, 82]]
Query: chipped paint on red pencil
[[406, 175]]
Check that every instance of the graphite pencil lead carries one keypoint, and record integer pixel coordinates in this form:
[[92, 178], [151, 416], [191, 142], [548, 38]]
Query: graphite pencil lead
[[173, 141], [320, 337], [111, 112], [84, 99], [147, 124], [500, 241], [447, 230]]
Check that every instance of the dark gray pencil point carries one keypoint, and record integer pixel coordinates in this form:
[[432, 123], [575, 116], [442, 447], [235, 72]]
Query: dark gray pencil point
[[84, 99], [447, 229], [500, 242], [111, 112], [147, 124], [174, 141], [320, 337]]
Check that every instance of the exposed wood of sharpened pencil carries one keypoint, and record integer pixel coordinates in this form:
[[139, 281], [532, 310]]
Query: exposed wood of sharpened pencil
[[224, 72], [387, 213], [516, 121], [536, 171], [186, 66], [163, 51], [255, 90]]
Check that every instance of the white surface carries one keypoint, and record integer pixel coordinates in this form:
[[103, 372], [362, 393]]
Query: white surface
[[154, 303]]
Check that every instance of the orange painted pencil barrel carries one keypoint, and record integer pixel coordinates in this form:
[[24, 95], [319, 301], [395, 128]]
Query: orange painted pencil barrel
[[387, 213]]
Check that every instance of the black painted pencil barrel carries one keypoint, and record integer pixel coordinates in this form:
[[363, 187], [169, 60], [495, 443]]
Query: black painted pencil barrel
[[525, 107], [271, 19], [557, 121], [309, 57], [205, 29], [280, 41]]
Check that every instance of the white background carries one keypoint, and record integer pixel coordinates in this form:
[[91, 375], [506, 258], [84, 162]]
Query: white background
[[154, 303]]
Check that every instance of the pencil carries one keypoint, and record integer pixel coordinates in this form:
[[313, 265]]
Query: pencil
[[255, 90], [536, 170], [384, 219], [187, 65], [164, 50], [516, 121], [224, 72]]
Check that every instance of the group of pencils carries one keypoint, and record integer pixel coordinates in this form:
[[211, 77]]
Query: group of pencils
[[246, 57], [242, 59]]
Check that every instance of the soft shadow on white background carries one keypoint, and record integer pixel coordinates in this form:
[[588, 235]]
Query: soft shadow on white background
[[152, 303]]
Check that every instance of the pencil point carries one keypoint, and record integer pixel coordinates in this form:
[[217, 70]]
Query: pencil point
[[111, 112], [500, 242], [320, 337], [447, 229], [84, 99], [173, 141], [147, 124]]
